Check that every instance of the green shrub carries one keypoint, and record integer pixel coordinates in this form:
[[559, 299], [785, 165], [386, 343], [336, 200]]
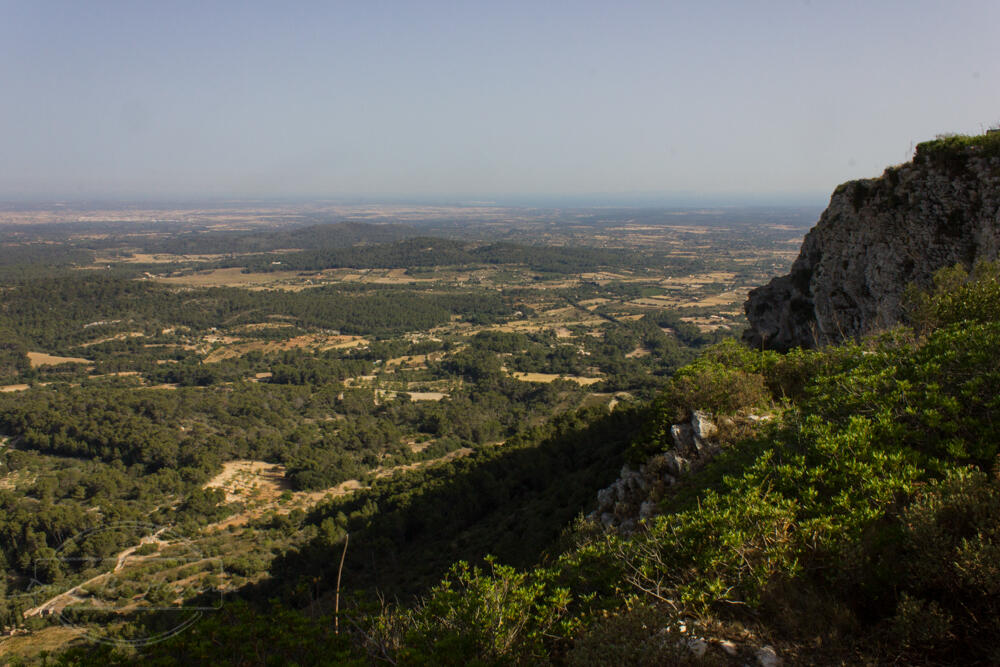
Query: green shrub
[[956, 296], [146, 549], [714, 387], [488, 617], [919, 622], [946, 148]]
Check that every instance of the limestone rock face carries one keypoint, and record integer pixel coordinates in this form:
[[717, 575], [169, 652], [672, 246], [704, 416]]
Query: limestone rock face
[[876, 237], [632, 497]]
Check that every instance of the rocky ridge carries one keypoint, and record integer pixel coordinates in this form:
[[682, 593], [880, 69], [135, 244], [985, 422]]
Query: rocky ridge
[[633, 496], [876, 237]]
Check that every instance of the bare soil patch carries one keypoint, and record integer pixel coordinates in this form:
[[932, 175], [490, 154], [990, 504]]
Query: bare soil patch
[[245, 481], [271, 492]]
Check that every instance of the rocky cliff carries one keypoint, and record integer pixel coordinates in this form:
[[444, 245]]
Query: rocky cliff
[[879, 235]]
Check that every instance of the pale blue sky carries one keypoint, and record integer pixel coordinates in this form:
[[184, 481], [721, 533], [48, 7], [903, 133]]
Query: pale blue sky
[[474, 99]]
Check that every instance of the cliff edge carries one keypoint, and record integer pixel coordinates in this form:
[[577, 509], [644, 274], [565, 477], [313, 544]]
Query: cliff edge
[[876, 237]]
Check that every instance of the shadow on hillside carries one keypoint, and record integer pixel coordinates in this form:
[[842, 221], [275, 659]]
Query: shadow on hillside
[[512, 502]]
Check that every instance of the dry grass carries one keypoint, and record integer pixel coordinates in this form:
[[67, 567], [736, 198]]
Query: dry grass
[[724, 299], [426, 395], [603, 275], [38, 359], [121, 336], [706, 323], [359, 380], [263, 325], [593, 303], [318, 341], [267, 490], [388, 394], [415, 360], [14, 387], [143, 258], [246, 481], [234, 277], [381, 473], [533, 326], [29, 646], [702, 278], [551, 377], [393, 277], [653, 301]]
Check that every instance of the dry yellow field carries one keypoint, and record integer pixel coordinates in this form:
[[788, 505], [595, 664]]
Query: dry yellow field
[[551, 377], [246, 481], [426, 395], [32, 644], [318, 341], [724, 299], [121, 336], [413, 360], [38, 359], [257, 326], [234, 277], [142, 258], [264, 486], [653, 301]]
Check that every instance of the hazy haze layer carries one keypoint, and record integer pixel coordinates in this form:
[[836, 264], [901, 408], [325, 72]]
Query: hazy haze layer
[[481, 100]]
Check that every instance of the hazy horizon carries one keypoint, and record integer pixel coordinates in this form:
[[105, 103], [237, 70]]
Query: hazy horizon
[[661, 104], [591, 200]]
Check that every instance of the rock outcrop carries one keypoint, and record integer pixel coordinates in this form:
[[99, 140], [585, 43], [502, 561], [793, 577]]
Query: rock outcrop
[[876, 237], [634, 495]]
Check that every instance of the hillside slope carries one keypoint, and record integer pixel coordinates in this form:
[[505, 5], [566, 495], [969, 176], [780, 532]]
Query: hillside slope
[[846, 509]]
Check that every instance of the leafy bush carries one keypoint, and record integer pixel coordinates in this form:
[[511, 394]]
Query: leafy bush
[[712, 386], [957, 296], [487, 617], [951, 147], [948, 565]]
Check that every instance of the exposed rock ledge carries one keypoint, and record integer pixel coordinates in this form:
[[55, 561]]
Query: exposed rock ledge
[[633, 495], [876, 237]]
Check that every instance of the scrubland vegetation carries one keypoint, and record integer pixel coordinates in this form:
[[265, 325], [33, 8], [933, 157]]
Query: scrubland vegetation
[[168, 439], [858, 525], [853, 520]]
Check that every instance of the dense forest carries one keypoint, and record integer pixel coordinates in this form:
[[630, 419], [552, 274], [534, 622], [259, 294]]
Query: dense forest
[[425, 252], [59, 312]]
